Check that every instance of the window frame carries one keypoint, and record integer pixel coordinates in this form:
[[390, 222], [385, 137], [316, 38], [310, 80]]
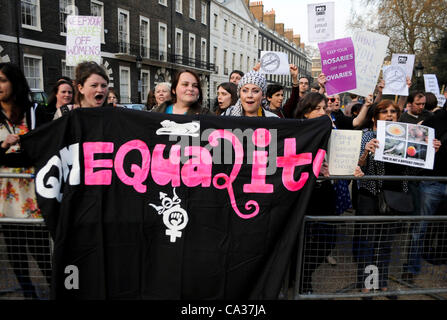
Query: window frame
[[123, 11], [129, 91], [40, 77], [38, 26]]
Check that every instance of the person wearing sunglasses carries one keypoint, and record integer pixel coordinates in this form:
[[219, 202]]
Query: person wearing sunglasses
[[340, 120]]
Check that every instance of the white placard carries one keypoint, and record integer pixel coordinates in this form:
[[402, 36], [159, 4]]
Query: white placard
[[273, 62], [441, 100], [395, 77], [321, 22], [406, 144], [83, 39], [404, 60], [344, 152], [431, 84], [370, 51]]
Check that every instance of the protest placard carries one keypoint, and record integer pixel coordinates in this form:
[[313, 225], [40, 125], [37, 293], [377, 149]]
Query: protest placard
[[404, 60], [431, 84], [344, 152], [405, 144], [338, 64], [273, 62], [321, 22], [83, 39], [370, 51], [395, 80]]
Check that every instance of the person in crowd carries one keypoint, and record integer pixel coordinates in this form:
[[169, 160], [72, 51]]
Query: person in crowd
[[431, 102], [315, 87], [186, 95], [372, 242], [112, 98], [162, 93], [340, 120], [236, 76], [431, 194], [61, 94], [18, 198], [320, 236], [226, 96], [150, 100], [354, 101], [251, 90], [303, 83], [416, 112], [92, 86], [275, 97]]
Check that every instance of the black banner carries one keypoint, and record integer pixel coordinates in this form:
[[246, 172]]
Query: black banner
[[153, 206]]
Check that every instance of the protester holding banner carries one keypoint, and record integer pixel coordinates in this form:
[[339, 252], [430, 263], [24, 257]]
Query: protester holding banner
[[251, 90], [18, 198], [61, 94], [372, 242], [226, 96], [92, 86]]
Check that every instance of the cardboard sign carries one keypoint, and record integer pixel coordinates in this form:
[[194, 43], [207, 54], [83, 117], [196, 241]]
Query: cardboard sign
[[338, 64], [431, 84], [83, 39], [273, 62], [370, 51], [344, 152], [321, 22], [395, 80], [405, 144], [404, 60]]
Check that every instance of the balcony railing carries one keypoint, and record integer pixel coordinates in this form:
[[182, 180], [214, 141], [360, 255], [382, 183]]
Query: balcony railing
[[125, 48]]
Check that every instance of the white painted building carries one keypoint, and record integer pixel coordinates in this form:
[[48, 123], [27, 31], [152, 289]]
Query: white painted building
[[233, 40]]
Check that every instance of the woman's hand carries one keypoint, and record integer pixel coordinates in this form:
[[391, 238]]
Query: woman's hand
[[369, 100], [381, 85], [257, 67], [358, 172], [10, 140], [372, 145], [436, 144], [325, 169]]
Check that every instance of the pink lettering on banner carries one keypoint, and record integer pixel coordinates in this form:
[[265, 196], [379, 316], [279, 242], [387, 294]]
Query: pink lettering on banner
[[289, 162], [261, 138], [100, 177], [140, 173], [228, 181], [166, 170], [318, 161], [197, 170]]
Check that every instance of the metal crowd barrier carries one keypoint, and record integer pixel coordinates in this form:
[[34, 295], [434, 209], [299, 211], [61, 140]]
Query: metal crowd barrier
[[334, 251]]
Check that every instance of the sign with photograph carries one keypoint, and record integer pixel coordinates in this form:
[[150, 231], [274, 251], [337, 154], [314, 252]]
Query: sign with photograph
[[83, 39], [321, 21], [406, 144], [338, 64], [344, 152], [273, 62], [370, 51]]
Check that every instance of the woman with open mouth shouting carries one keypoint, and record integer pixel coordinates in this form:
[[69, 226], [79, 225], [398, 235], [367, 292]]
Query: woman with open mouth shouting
[[251, 90], [92, 86]]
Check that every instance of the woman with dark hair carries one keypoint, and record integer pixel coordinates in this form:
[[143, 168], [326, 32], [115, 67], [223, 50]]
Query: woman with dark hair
[[186, 95], [92, 84], [17, 196], [61, 94], [313, 105], [226, 96]]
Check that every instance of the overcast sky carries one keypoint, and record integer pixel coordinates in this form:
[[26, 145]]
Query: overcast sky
[[293, 13]]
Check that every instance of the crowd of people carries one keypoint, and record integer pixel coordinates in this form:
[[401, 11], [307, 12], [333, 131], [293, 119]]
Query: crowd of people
[[249, 95]]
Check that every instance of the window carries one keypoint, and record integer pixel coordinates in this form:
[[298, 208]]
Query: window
[[248, 63], [204, 9], [123, 31], [241, 62], [124, 85], [31, 14], [225, 25], [179, 6], [215, 55], [178, 45], [242, 34], [68, 71], [163, 2], [97, 10], [192, 46], [203, 51], [216, 21], [162, 41], [32, 68], [144, 37], [255, 41], [66, 8], [234, 30], [192, 9], [145, 85], [248, 36], [225, 62], [233, 62]]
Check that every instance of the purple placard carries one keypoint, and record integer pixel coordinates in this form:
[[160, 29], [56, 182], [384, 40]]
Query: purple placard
[[338, 64]]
